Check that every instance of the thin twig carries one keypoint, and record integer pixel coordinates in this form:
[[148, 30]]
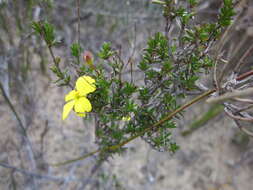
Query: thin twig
[[20, 123], [78, 24], [244, 100], [243, 129], [56, 62], [41, 176], [244, 75], [25, 172], [244, 109], [245, 55], [229, 95], [237, 117]]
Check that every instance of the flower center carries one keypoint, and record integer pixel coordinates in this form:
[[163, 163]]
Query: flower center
[[77, 95]]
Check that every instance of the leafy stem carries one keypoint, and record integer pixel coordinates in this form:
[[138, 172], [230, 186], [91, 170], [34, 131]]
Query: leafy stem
[[46, 31], [156, 125]]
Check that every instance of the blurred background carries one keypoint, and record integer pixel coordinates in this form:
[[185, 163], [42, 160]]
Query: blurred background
[[214, 153]]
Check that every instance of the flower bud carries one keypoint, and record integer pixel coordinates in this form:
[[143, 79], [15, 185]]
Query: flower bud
[[88, 58]]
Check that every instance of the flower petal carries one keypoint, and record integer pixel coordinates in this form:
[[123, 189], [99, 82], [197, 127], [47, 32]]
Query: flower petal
[[82, 105], [126, 118], [70, 95], [67, 108], [85, 85]]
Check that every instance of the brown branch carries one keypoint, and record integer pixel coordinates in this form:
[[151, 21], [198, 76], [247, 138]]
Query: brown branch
[[244, 75], [246, 54], [243, 129]]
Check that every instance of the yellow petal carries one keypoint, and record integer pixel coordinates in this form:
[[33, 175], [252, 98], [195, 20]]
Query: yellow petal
[[126, 118], [67, 108], [70, 95], [82, 105], [85, 85], [81, 114]]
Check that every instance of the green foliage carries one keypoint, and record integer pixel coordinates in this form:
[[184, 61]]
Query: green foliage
[[170, 68], [36, 26], [193, 2], [226, 13], [76, 50], [46, 30], [106, 51], [49, 36], [184, 15]]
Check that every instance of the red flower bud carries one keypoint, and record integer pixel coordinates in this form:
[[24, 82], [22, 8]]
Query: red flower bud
[[88, 57]]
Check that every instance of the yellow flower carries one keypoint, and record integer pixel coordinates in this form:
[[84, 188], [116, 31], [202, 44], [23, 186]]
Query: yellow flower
[[77, 98], [126, 118]]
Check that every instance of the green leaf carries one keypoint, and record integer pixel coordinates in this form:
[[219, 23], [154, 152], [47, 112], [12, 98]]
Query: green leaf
[[36, 26], [106, 51], [48, 30], [76, 50]]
